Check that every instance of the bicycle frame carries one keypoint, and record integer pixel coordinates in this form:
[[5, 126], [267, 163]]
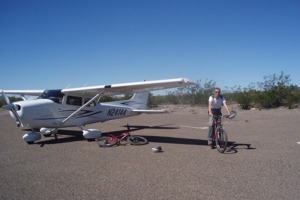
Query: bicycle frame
[[120, 137], [217, 122]]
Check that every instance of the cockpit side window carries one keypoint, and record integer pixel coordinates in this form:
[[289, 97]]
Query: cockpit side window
[[92, 104], [54, 95], [75, 101]]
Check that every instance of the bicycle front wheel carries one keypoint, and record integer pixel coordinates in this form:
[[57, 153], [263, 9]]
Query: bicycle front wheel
[[222, 139], [138, 140], [106, 141]]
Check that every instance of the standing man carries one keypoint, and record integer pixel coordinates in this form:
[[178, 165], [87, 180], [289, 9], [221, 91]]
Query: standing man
[[215, 104]]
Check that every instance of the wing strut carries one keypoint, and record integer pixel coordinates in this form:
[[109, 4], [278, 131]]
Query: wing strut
[[79, 109]]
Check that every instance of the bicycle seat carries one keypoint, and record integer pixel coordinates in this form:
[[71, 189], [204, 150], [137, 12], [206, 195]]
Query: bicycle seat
[[217, 116]]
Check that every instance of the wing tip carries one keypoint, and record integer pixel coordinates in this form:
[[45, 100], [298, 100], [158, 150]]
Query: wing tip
[[187, 81]]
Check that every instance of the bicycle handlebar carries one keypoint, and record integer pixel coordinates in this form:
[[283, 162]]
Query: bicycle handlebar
[[231, 116]]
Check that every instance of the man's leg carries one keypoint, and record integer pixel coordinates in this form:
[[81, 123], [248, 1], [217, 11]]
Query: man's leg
[[210, 130]]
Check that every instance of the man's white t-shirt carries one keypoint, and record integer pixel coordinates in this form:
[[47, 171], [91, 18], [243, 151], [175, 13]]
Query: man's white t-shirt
[[217, 103]]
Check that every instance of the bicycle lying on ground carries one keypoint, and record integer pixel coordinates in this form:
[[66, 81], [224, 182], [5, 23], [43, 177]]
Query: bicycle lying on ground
[[122, 139], [220, 135]]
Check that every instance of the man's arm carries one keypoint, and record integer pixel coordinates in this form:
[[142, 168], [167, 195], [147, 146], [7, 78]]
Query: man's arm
[[226, 107], [209, 108]]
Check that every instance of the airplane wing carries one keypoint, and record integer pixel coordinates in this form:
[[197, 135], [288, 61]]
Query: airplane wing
[[126, 88], [24, 92]]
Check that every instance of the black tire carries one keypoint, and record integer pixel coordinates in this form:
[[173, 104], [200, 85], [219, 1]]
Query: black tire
[[47, 135], [106, 141], [222, 139], [30, 142], [138, 140]]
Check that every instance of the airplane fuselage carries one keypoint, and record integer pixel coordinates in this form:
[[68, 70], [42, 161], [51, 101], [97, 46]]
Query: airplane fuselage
[[39, 113], [76, 107]]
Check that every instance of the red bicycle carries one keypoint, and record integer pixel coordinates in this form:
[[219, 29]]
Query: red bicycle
[[220, 135], [122, 139]]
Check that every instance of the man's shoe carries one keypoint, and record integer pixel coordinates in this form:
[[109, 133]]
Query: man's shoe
[[209, 142]]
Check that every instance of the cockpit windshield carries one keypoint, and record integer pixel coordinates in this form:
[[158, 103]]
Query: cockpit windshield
[[54, 95]]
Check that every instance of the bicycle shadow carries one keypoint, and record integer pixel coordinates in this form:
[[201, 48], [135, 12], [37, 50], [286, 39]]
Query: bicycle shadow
[[233, 147]]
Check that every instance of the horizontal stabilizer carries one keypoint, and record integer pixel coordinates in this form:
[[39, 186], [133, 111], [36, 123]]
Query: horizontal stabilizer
[[150, 111]]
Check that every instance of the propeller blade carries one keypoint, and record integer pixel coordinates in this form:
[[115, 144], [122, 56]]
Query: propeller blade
[[6, 99], [11, 107], [17, 117]]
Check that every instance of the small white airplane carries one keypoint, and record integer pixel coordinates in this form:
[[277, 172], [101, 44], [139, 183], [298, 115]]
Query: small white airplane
[[76, 107]]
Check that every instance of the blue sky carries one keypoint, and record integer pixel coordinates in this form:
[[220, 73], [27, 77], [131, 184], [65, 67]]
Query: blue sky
[[60, 43]]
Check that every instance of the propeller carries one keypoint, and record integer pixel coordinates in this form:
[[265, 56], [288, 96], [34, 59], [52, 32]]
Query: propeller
[[11, 107], [6, 99]]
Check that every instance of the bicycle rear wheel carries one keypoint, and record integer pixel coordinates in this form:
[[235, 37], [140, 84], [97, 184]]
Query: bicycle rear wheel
[[106, 141], [222, 139], [138, 140]]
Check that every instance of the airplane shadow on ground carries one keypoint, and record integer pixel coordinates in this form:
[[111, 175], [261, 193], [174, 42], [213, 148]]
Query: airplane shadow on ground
[[160, 139], [65, 136]]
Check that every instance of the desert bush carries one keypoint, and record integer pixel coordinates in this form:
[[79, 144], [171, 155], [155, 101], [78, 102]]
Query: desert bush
[[273, 92], [196, 94], [244, 99]]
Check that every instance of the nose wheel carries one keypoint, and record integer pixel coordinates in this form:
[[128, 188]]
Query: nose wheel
[[31, 137]]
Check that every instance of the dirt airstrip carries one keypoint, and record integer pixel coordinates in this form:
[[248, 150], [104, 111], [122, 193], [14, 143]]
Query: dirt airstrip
[[72, 168]]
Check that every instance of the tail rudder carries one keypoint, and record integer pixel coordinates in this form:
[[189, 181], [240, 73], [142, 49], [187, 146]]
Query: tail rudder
[[139, 100]]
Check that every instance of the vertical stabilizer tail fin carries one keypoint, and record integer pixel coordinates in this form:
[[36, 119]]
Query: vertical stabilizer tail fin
[[139, 100]]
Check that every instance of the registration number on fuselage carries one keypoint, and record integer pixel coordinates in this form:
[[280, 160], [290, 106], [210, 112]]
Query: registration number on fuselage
[[116, 112]]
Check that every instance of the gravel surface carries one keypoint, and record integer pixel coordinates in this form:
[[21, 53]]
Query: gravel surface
[[72, 168]]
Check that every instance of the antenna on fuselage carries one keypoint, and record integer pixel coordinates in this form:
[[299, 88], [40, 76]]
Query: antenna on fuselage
[[68, 86]]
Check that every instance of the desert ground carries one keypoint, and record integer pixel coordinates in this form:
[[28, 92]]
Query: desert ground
[[72, 168]]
